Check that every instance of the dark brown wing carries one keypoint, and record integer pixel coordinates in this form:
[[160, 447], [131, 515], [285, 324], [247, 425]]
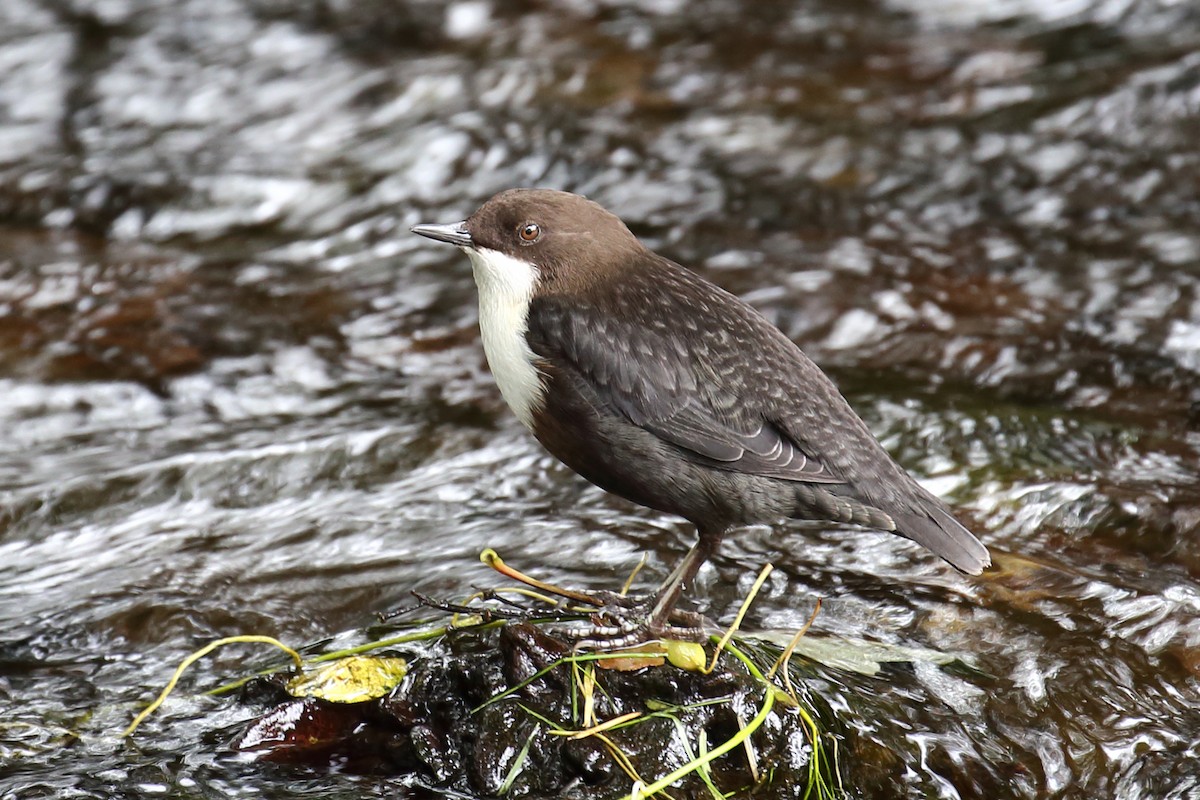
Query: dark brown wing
[[648, 362]]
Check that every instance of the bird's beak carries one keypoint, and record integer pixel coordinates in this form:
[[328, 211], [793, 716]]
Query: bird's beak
[[454, 233]]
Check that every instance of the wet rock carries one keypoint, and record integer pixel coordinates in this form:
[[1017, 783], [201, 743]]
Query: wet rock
[[441, 726], [303, 731], [437, 754], [526, 650], [588, 759], [499, 747]]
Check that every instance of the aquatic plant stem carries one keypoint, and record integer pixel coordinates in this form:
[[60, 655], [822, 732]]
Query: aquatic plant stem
[[734, 741], [785, 658], [196, 656], [416, 636], [493, 560], [637, 569], [737, 621], [583, 658]]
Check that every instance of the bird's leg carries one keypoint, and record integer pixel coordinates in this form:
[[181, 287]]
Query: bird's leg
[[668, 594], [652, 618]]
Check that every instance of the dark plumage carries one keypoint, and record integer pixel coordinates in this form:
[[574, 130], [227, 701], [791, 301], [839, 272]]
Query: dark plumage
[[658, 386]]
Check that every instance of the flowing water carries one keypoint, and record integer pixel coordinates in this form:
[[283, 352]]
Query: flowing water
[[237, 397]]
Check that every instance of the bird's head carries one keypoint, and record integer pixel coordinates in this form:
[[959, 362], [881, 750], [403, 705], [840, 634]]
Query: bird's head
[[554, 236]]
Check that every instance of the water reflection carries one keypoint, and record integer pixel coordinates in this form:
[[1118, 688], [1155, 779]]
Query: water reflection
[[237, 397]]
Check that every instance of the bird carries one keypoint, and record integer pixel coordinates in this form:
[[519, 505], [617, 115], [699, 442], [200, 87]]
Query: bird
[[660, 387]]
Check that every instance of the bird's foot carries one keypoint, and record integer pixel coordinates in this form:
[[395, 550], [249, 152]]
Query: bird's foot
[[624, 621], [619, 621]]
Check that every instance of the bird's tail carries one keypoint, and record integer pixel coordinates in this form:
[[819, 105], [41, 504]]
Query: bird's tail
[[920, 517], [930, 524]]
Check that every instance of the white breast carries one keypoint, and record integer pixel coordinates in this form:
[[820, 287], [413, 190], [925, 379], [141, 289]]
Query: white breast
[[505, 288]]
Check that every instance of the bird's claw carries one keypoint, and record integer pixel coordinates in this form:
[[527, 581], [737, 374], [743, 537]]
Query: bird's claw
[[623, 622]]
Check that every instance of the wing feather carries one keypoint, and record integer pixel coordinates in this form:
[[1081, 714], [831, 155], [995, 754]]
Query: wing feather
[[650, 375]]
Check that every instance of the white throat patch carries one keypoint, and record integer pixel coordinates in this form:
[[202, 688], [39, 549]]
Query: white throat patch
[[505, 289]]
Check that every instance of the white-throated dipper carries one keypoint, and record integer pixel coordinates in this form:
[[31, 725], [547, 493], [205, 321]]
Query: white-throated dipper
[[658, 386]]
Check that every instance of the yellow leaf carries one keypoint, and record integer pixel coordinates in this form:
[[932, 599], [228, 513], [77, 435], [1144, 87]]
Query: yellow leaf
[[351, 680]]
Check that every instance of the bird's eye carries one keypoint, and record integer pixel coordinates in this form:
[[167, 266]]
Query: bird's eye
[[530, 232]]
